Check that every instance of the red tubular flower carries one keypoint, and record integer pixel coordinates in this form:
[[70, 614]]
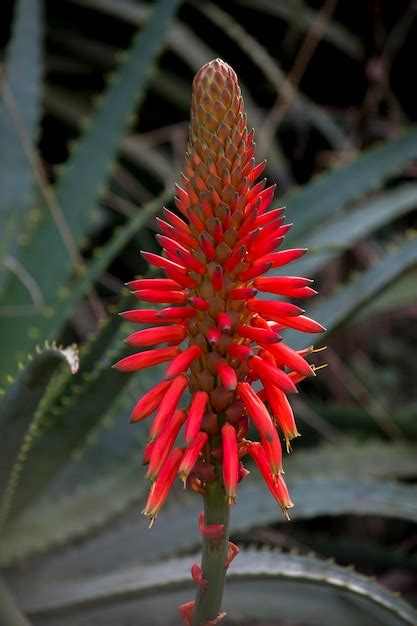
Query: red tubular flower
[[241, 352], [153, 283], [195, 415], [198, 303], [147, 452], [175, 314], [283, 413], [261, 335], [285, 355], [150, 401], [227, 375], [216, 248], [191, 455], [141, 316], [182, 361], [273, 453], [168, 406], [164, 443], [224, 322], [257, 410], [280, 284], [271, 307], [161, 334], [278, 259], [161, 487], [146, 359], [214, 335], [161, 295], [272, 375], [243, 294], [277, 487], [303, 323]]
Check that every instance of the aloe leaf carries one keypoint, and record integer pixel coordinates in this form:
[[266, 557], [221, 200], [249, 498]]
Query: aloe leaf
[[92, 353], [176, 529], [80, 185], [19, 419], [353, 420], [134, 148], [19, 117], [351, 298], [90, 507], [353, 597], [65, 517], [276, 580], [379, 498], [71, 448], [403, 293], [68, 422], [102, 258], [350, 459], [63, 390], [368, 554], [102, 138], [107, 447], [10, 613], [325, 196], [329, 240]]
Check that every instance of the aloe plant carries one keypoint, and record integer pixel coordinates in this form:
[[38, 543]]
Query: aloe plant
[[73, 548]]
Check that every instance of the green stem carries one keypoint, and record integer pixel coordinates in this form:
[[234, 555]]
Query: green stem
[[209, 596]]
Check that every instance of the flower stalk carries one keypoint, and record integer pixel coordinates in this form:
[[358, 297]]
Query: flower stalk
[[213, 563]]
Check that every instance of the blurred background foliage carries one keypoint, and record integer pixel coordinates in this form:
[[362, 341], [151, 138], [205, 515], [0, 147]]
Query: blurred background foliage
[[93, 127]]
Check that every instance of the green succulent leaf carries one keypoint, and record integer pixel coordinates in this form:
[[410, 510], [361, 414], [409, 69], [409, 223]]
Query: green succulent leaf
[[68, 420], [81, 185], [101, 260], [260, 585], [355, 421], [69, 448], [19, 418], [350, 459], [19, 118], [329, 193], [341, 306], [10, 613], [328, 241], [403, 293], [89, 507], [61, 518]]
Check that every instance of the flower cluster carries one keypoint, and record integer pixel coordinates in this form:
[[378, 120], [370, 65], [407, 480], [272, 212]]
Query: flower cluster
[[216, 250]]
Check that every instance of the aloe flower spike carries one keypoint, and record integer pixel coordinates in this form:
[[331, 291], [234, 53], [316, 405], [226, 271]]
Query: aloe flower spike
[[221, 339]]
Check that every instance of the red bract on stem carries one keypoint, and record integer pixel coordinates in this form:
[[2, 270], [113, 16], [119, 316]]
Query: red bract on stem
[[230, 462], [221, 340]]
